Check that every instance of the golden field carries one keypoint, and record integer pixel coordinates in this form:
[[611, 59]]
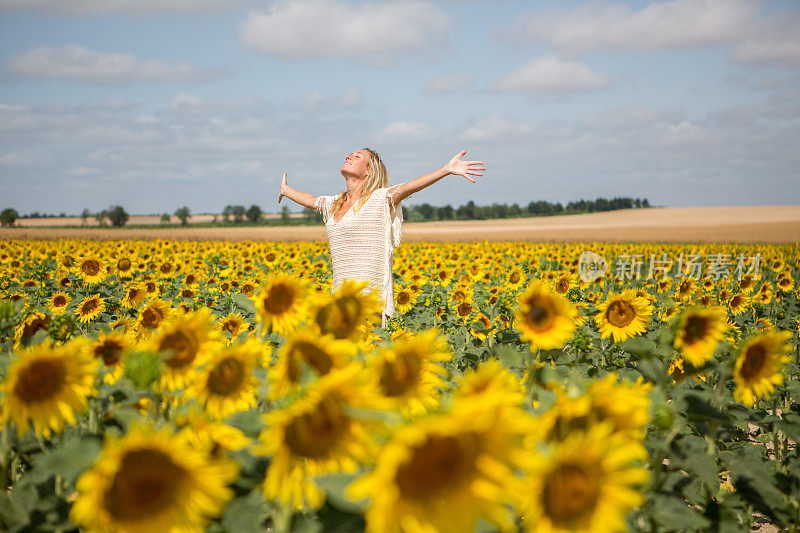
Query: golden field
[[775, 224], [220, 386]]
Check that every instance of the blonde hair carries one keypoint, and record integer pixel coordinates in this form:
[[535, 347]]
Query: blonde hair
[[377, 178]]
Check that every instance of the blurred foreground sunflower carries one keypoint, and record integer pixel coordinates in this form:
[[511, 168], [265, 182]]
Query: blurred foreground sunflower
[[759, 366]]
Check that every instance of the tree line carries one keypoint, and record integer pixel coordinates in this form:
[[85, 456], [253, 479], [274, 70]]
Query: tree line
[[470, 211], [116, 215]]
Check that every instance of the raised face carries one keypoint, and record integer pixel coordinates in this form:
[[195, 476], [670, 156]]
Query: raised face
[[356, 165]]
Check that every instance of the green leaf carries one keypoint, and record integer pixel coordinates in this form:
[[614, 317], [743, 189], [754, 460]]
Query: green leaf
[[699, 409], [245, 514], [249, 422], [674, 515], [640, 346], [70, 459], [16, 506], [244, 303], [335, 486], [510, 357], [651, 369]]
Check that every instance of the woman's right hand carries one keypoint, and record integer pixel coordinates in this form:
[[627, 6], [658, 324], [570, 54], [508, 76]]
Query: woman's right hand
[[283, 188]]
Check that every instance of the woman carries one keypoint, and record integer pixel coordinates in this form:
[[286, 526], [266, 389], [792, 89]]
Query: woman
[[363, 223]]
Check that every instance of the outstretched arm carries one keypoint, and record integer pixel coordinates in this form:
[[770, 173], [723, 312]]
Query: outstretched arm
[[454, 166], [303, 198]]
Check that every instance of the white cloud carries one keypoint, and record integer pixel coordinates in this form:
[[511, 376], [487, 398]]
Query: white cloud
[[121, 7], [775, 41], [550, 74], [406, 131], [81, 64], [369, 32], [189, 104], [448, 83], [660, 25], [350, 98], [493, 127]]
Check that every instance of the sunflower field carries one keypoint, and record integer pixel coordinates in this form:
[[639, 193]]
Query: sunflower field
[[215, 386]]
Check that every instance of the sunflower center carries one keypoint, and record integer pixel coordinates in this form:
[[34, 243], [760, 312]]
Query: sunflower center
[[571, 491], [438, 464], [403, 297], [562, 285], [59, 301], [313, 356], [40, 380], [90, 267], [540, 315], [226, 377], [123, 265], [315, 434], [231, 326], [89, 306], [152, 317], [279, 299], [696, 329], [514, 277], [30, 329], [183, 348], [146, 483], [754, 359], [464, 309], [400, 374], [109, 352], [340, 317], [620, 314]]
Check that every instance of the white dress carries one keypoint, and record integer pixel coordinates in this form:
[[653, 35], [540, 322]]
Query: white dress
[[362, 243]]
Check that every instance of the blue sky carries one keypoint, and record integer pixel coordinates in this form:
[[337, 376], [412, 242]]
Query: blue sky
[[155, 104]]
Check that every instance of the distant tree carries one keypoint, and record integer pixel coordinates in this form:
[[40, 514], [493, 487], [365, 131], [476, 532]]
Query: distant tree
[[426, 210], [645, 203], [312, 215], [285, 215], [8, 216], [446, 213], [165, 219], [101, 217], [514, 211], [62, 215], [254, 213], [85, 216], [227, 212], [238, 213], [183, 214], [118, 216]]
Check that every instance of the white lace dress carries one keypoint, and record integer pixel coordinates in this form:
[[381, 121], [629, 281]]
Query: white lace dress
[[362, 243]]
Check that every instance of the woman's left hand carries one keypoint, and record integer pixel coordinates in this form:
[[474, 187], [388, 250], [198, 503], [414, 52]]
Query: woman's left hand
[[464, 168]]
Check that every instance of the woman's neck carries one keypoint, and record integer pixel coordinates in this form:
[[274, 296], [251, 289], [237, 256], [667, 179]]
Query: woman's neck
[[353, 189]]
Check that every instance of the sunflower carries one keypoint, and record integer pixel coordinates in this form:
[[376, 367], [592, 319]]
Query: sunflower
[[187, 342], [404, 299], [152, 316], [307, 350], [90, 308], [588, 482], [544, 318], [443, 472], [226, 384], [134, 296], [623, 315], [443, 276], [91, 269], [491, 380], [515, 278], [487, 327], [58, 302], [109, 348], [124, 267], [33, 322], [759, 366], [203, 432], [47, 387], [698, 331], [281, 303], [234, 324], [152, 480], [738, 303], [349, 312], [316, 434], [407, 375]]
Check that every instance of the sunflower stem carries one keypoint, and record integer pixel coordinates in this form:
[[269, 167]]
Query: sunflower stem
[[5, 459]]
